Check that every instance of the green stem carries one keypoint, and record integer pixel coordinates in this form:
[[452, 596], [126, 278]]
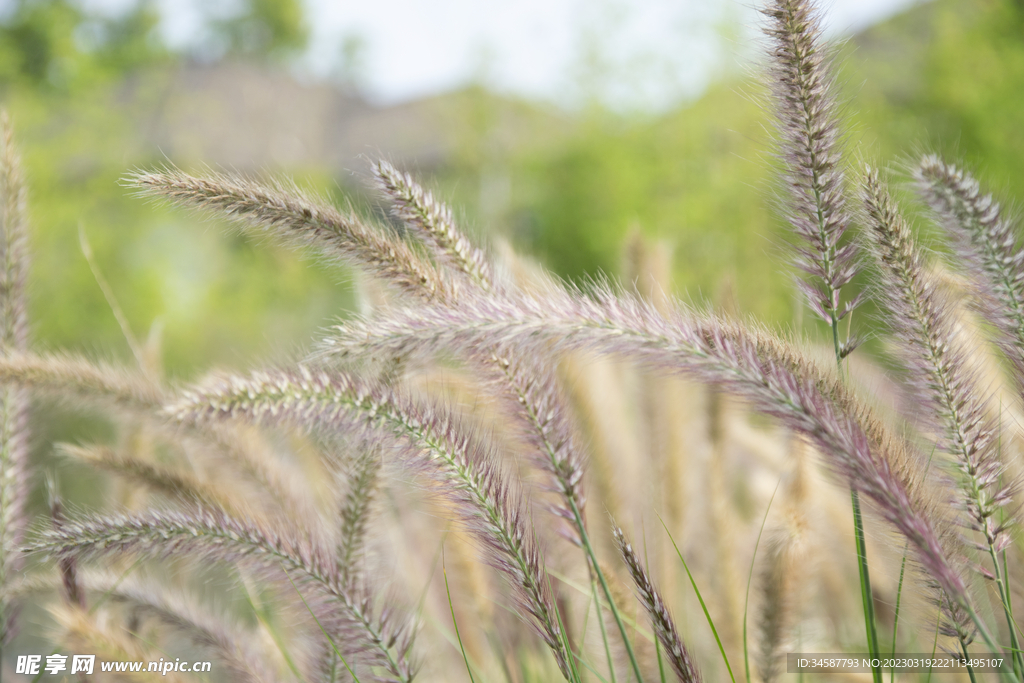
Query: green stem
[[967, 657], [1004, 598], [322, 629], [935, 646], [564, 635], [858, 530], [585, 539], [985, 635], [865, 585], [604, 632], [750, 577]]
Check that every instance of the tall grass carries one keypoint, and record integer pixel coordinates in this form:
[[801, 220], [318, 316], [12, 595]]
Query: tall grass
[[288, 522]]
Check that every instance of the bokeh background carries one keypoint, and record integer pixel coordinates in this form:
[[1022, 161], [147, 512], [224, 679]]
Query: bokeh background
[[560, 127]]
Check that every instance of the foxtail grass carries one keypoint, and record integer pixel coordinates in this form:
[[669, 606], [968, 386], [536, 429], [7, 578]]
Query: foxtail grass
[[386, 432], [15, 474]]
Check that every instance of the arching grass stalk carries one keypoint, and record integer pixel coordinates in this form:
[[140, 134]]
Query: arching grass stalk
[[750, 577]]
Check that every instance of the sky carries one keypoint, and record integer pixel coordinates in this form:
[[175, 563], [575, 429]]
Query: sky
[[632, 54]]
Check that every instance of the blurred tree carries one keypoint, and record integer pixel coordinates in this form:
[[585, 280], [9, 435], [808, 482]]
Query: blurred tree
[[261, 29], [56, 44]]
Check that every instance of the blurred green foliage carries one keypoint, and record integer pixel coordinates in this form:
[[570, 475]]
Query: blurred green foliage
[[58, 45], [946, 76], [263, 29], [216, 297]]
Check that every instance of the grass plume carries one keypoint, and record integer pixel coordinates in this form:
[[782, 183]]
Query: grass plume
[[15, 477], [333, 401], [664, 628], [432, 222], [288, 215]]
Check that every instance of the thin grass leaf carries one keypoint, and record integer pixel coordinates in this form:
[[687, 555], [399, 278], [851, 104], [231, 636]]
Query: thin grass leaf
[[330, 640], [604, 632], [115, 307], [455, 621], [750, 577], [263, 618], [700, 598], [896, 617]]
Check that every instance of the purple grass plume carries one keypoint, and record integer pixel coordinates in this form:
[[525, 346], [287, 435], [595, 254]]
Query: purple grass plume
[[751, 362], [431, 442], [207, 534], [809, 144], [939, 367], [288, 215], [664, 628], [987, 243], [15, 472]]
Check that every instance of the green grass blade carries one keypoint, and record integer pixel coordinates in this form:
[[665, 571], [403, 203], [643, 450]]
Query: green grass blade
[[935, 646], [595, 565], [604, 632], [455, 621], [321, 627], [865, 584], [967, 656], [261, 617], [750, 576], [661, 664], [565, 638], [700, 598], [896, 618]]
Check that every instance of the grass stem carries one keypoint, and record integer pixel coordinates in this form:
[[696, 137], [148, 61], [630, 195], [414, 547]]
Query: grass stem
[[592, 556]]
